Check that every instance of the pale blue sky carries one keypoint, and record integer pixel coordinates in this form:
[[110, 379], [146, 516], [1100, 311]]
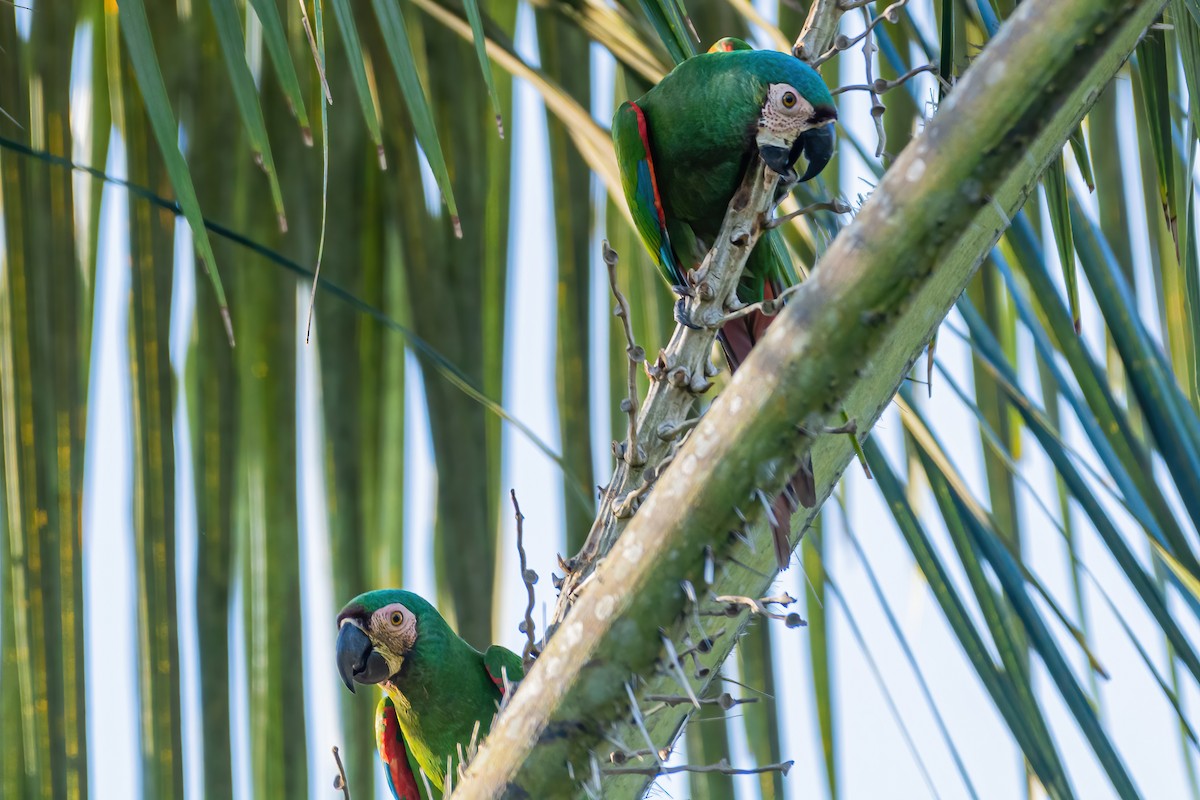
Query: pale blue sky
[[873, 758]]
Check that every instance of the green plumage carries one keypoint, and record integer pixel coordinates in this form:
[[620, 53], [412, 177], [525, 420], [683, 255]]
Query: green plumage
[[442, 689], [700, 125], [683, 149]]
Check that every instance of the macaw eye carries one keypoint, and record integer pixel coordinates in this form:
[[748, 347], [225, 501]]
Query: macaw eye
[[789, 100], [396, 618]]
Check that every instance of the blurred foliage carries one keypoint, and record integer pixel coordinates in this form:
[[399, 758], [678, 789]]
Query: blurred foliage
[[224, 106]]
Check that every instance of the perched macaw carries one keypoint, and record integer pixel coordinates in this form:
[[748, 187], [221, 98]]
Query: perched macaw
[[436, 687], [683, 148]]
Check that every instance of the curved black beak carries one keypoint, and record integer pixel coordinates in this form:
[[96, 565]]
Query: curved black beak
[[779, 159], [817, 145], [357, 659]]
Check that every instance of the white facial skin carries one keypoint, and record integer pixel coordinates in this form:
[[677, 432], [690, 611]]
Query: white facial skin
[[394, 630], [785, 115]]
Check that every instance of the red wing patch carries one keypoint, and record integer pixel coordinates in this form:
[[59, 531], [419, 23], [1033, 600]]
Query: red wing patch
[[644, 133], [497, 679]]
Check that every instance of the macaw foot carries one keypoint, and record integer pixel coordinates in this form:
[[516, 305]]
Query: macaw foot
[[683, 317]]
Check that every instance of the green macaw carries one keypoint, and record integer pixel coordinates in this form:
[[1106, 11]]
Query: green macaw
[[436, 687], [683, 148]]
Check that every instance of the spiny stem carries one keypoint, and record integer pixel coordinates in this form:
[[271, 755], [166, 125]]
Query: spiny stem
[[721, 767], [632, 453]]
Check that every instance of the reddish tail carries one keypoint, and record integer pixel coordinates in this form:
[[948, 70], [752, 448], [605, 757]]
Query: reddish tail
[[737, 338]]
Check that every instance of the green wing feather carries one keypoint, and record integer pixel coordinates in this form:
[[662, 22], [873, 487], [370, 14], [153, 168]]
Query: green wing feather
[[631, 141], [501, 662]]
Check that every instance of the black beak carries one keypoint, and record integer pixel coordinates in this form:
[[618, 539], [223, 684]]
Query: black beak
[[357, 659], [778, 159], [817, 145]]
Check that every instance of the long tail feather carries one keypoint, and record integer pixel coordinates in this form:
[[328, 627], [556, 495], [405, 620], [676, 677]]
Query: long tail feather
[[737, 338]]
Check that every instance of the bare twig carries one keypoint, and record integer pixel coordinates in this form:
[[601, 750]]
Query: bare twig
[[721, 767], [339, 780], [848, 426], [624, 754], [836, 205], [768, 308], [882, 85], [529, 578], [758, 606], [667, 431], [841, 43], [631, 452], [733, 602], [725, 700], [869, 49]]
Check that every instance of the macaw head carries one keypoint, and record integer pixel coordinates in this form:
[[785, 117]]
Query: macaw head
[[378, 631], [797, 113]]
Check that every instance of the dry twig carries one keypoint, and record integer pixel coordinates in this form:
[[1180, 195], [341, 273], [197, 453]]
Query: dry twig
[[882, 85], [721, 767], [631, 451], [529, 578], [841, 43], [734, 602], [339, 780], [869, 49], [725, 700]]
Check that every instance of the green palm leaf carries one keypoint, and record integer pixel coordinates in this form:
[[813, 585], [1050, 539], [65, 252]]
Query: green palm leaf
[[136, 34]]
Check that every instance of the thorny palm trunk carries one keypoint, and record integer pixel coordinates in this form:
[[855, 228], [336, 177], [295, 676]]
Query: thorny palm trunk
[[886, 282]]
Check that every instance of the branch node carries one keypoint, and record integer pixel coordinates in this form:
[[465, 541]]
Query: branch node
[[339, 781], [529, 578], [633, 454]]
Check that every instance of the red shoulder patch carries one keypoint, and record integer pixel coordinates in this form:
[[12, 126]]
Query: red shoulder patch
[[497, 679]]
